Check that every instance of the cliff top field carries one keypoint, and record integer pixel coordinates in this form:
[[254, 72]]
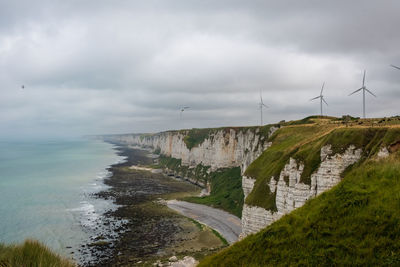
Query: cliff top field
[[355, 223]]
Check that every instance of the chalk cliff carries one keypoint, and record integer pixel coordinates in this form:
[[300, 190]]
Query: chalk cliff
[[221, 148], [290, 192]]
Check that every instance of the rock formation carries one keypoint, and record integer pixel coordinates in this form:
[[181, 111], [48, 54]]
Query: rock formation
[[222, 148], [290, 192]]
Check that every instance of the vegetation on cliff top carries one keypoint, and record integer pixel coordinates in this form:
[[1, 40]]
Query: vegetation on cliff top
[[226, 191], [194, 137], [30, 253], [304, 143], [357, 223], [199, 173]]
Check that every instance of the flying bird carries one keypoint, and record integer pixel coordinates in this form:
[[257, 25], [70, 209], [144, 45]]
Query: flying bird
[[23, 86]]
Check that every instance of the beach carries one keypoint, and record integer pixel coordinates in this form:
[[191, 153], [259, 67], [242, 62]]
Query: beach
[[149, 230]]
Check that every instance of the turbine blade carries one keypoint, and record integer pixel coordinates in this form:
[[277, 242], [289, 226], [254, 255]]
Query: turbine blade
[[315, 98], [322, 89], [356, 91], [370, 92], [265, 105], [395, 67], [324, 101], [364, 78]]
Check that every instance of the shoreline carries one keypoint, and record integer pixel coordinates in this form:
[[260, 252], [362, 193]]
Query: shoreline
[[151, 231]]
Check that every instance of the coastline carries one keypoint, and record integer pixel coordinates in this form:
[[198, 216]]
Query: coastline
[[150, 231]]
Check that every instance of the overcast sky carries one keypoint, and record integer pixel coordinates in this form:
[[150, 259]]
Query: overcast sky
[[101, 66]]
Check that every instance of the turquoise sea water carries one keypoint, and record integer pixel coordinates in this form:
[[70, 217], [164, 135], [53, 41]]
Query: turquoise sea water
[[46, 187]]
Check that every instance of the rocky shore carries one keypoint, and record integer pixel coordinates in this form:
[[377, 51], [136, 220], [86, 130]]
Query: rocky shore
[[148, 231]]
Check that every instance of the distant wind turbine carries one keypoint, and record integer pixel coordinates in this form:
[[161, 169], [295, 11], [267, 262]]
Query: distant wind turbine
[[182, 110], [261, 104], [395, 67], [363, 88], [321, 97]]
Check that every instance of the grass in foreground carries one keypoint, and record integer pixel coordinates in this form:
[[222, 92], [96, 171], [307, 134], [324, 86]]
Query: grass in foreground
[[226, 191], [355, 223], [30, 253]]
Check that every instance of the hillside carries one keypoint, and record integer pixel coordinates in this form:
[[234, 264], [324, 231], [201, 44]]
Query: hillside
[[357, 222]]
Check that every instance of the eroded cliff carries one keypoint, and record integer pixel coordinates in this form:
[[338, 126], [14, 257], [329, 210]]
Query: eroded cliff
[[217, 148], [301, 163]]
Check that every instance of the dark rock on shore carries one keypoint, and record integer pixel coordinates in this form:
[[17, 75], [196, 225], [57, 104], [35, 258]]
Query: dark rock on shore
[[148, 226]]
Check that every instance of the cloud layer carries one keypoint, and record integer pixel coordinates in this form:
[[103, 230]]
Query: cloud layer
[[125, 66]]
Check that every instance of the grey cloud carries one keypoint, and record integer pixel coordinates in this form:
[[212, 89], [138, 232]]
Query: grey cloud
[[127, 66]]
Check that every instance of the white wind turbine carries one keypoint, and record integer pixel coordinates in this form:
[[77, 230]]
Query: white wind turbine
[[363, 88], [321, 97], [261, 104], [182, 110]]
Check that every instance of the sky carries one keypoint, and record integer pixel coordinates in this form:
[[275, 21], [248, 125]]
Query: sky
[[124, 66]]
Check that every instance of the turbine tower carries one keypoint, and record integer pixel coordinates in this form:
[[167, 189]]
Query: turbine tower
[[395, 67], [261, 104], [182, 110], [321, 97], [363, 88]]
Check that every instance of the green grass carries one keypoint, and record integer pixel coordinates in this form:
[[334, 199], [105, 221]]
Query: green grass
[[198, 225], [223, 240], [285, 143], [30, 253], [357, 223], [199, 173], [226, 191], [304, 144], [310, 120]]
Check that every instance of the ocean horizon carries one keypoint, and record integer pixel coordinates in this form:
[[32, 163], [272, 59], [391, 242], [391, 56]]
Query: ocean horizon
[[47, 187]]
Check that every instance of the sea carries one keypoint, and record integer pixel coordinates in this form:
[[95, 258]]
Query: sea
[[46, 191]]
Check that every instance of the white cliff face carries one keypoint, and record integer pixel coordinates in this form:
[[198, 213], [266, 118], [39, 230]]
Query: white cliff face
[[247, 185], [291, 193], [220, 150]]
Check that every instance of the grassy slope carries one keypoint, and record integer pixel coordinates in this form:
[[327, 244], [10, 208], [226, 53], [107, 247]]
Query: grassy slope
[[355, 223], [285, 143], [226, 191], [226, 185], [304, 143], [30, 253]]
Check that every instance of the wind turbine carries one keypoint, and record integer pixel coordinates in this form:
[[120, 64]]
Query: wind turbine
[[321, 97], [395, 67], [363, 88], [182, 110], [261, 104]]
